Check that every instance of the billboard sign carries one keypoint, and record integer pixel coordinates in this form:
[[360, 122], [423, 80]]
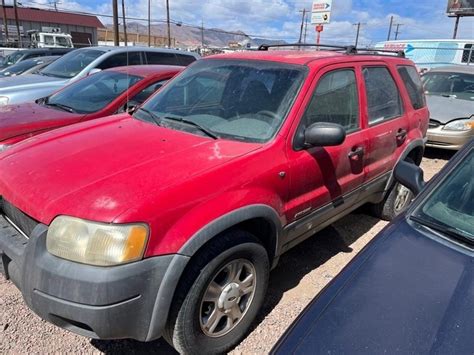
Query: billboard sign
[[460, 8], [321, 12], [320, 18]]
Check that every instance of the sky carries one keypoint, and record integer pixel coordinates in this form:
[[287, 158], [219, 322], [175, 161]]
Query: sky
[[281, 19]]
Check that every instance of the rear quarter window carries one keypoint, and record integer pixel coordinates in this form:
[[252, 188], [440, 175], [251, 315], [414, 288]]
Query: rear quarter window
[[383, 99], [185, 60], [414, 86]]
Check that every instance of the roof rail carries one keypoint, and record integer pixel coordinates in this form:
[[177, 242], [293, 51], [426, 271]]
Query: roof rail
[[347, 49], [375, 50]]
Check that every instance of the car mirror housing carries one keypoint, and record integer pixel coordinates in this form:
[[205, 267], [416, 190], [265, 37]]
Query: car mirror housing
[[409, 175], [323, 134]]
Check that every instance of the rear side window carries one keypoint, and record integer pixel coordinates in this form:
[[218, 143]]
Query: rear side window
[[185, 60], [121, 60], [162, 58], [335, 100], [413, 84], [383, 98]]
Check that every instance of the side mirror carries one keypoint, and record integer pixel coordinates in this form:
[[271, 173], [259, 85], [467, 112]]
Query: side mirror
[[130, 107], [94, 71], [409, 175], [323, 134]]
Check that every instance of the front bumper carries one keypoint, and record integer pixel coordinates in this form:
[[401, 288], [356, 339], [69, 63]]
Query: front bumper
[[452, 140], [126, 301]]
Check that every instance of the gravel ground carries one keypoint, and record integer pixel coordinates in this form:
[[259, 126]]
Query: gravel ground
[[301, 274]]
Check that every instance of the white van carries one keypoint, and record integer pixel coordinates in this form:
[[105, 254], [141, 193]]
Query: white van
[[430, 53]]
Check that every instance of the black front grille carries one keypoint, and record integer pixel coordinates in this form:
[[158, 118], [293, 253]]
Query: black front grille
[[25, 223], [434, 124]]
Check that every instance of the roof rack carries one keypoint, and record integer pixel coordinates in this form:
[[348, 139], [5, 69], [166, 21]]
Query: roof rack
[[378, 51], [347, 49]]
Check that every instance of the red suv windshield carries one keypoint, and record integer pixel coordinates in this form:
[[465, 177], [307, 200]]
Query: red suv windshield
[[241, 100]]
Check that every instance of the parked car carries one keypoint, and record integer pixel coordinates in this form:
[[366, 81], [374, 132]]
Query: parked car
[[18, 56], [80, 63], [27, 66], [111, 91], [450, 98], [409, 291], [167, 223]]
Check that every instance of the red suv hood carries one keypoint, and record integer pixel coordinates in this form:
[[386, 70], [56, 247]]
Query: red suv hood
[[99, 169], [18, 120]]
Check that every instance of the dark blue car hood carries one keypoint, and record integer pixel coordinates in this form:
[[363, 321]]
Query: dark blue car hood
[[405, 293]]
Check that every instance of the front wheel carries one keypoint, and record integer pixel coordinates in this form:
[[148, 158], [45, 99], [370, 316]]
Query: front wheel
[[221, 294]]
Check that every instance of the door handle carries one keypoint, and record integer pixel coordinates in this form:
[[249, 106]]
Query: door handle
[[401, 134], [355, 153]]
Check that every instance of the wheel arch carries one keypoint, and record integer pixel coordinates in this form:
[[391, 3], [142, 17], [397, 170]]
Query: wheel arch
[[261, 220]]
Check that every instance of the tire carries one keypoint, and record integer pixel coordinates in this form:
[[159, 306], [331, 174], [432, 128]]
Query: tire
[[395, 202], [198, 322]]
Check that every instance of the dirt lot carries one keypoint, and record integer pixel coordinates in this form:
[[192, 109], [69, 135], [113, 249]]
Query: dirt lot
[[301, 274]]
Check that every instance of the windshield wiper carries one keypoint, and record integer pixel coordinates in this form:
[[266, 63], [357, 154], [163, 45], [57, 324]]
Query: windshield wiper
[[205, 130], [153, 116], [449, 231], [61, 106]]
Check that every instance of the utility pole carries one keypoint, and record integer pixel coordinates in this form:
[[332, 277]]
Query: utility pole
[[202, 35], [390, 28], [149, 23], [358, 31], [305, 29], [17, 23], [55, 4], [124, 24], [397, 31], [456, 24], [302, 24], [5, 21], [115, 22], [168, 22]]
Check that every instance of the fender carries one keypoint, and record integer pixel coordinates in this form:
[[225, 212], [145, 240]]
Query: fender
[[418, 142], [175, 270], [230, 219], [164, 297]]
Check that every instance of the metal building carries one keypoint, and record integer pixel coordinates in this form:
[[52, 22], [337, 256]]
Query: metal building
[[82, 28]]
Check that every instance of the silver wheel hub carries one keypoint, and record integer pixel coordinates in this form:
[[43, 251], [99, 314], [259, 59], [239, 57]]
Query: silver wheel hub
[[227, 298], [403, 198]]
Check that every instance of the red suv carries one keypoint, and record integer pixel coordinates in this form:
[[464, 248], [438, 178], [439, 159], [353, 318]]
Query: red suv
[[168, 223]]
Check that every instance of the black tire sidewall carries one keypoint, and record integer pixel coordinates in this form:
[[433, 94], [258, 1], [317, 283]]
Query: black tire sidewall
[[187, 325]]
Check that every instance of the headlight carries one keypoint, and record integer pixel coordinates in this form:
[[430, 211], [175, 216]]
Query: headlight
[[460, 125], [96, 243], [4, 147], [4, 100]]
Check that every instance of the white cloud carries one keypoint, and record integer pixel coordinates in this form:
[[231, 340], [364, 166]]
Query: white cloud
[[281, 18]]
